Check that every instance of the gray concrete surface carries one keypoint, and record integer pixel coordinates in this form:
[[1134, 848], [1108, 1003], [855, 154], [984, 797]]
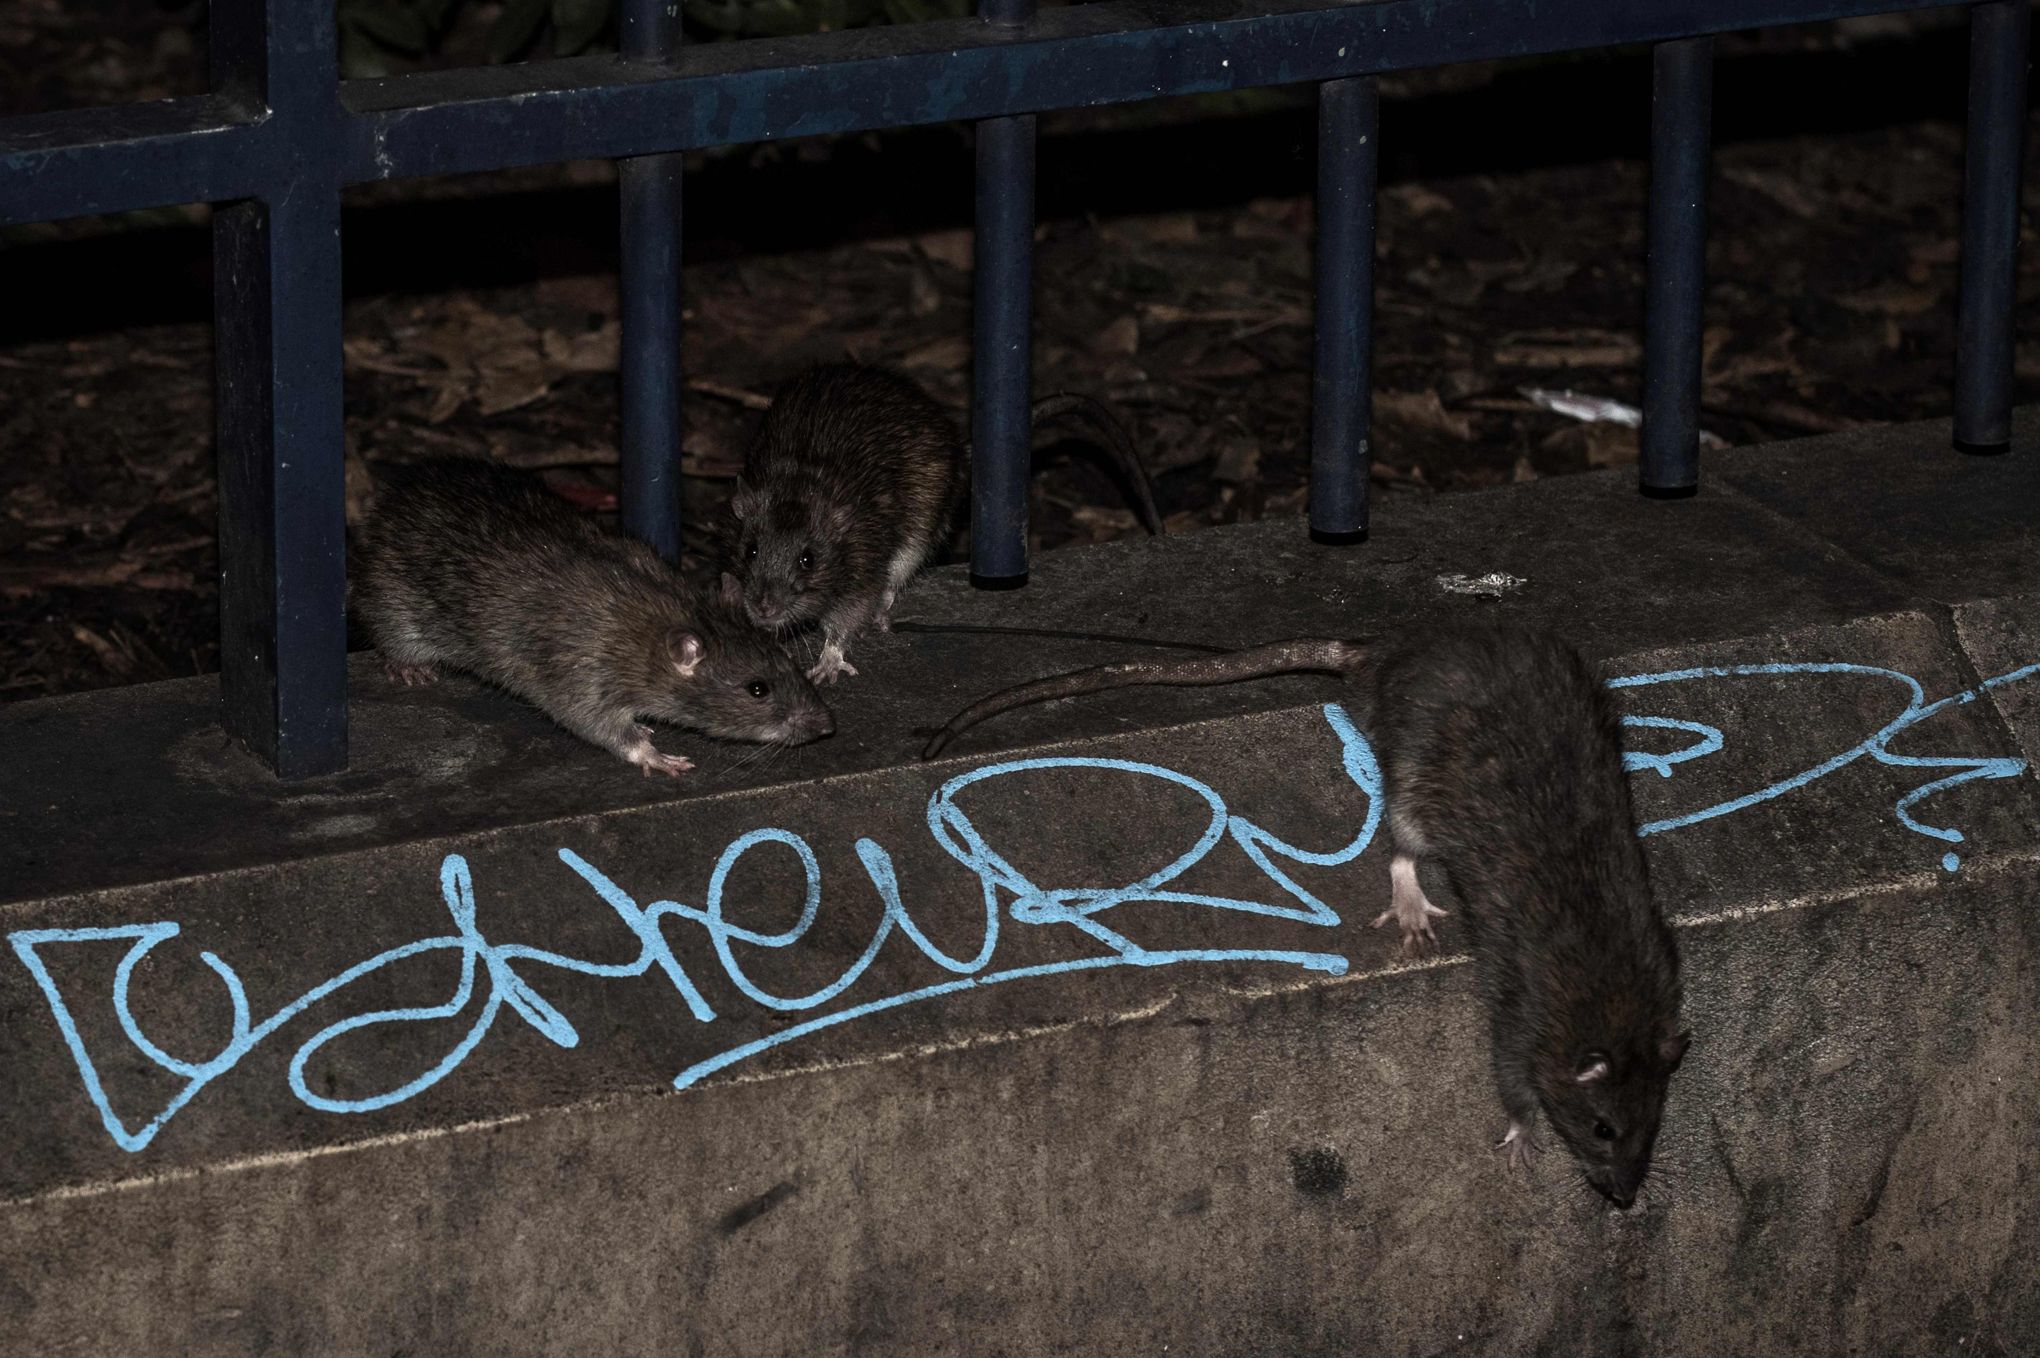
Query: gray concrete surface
[[1272, 1139]]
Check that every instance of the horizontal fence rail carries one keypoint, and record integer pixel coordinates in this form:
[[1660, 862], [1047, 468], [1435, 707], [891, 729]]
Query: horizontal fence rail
[[281, 135]]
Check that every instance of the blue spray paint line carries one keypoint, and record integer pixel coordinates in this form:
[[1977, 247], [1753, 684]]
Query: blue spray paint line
[[1031, 904], [491, 967], [1635, 760], [1917, 709], [1330, 963]]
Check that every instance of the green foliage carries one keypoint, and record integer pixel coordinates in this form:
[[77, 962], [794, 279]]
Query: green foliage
[[378, 37]]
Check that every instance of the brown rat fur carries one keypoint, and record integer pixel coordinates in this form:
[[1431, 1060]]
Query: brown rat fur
[[1501, 756], [850, 486], [474, 567]]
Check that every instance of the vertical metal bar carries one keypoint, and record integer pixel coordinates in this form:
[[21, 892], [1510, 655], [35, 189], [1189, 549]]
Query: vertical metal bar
[[1682, 107], [1001, 443], [649, 30], [1342, 397], [276, 288], [1998, 36]]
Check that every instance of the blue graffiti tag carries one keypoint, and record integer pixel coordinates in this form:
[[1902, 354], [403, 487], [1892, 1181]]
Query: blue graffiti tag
[[493, 967], [1877, 745]]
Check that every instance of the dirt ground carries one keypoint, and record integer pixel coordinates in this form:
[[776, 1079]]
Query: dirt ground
[[1173, 282]]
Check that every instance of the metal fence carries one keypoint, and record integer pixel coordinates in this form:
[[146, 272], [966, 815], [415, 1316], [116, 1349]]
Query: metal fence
[[281, 134]]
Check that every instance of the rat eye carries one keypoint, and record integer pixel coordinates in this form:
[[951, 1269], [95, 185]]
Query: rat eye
[[751, 552], [759, 688], [807, 561], [1604, 1131]]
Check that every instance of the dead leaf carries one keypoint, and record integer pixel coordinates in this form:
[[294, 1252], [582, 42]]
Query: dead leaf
[[1424, 411], [1892, 299], [1227, 364], [1784, 190], [1103, 521], [1172, 228], [591, 293], [582, 495], [104, 573], [951, 352], [1545, 275], [538, 459], [592, 351], [1239, 462], [954, 248], [1568, 349], [1417, 200], [1120, 337], [1600, 443], [743, 396], [1165, 313], [1937, 253], [109, 655]]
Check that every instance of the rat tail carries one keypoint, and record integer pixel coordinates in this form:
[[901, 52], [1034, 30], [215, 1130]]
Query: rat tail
[[1105, 429], [1300, 656]]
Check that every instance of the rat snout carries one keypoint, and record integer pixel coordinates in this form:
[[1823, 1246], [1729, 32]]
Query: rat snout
[[765, 612], [803, 724], [1619, 1186]]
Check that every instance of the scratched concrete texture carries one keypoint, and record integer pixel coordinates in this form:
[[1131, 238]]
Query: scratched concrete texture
[[1224, 1155]]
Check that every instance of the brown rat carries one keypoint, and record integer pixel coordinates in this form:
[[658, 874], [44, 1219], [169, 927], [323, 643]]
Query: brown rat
[[849, 487], [475, 567], [1501, 759]]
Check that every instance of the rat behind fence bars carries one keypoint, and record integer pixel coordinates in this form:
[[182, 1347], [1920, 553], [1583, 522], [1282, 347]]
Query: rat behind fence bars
[[850, 486], [1501, 758], [475, 567]]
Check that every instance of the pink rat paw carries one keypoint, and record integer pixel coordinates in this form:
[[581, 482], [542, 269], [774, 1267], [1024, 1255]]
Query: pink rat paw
[[831, 666], [1409, 907], [1519, 1145], [648, 757], [411, 676]]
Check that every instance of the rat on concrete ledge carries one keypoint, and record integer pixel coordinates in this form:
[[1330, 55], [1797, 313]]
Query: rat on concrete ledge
[[1501, 758], [475, 567], [849, 487]]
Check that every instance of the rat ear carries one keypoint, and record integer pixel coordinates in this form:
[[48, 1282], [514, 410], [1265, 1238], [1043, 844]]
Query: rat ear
[[686, 654], [1593, 1069], [744, 500], [1673, 1049], [732, 589]]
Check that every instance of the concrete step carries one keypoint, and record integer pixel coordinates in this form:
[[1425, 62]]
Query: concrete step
[[488, 1045]]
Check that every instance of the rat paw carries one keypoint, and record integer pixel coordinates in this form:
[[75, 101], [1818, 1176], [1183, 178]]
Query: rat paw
[[1418, 939], [648, 758], [411, 676], [830, 667], [1519, 1145], [1409, 907]]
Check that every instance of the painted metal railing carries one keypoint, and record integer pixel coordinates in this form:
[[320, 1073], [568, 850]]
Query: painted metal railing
[[280, 136]]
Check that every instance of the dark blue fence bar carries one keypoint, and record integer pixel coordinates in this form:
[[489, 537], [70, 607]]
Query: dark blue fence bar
[[1001, 420], [1342, 391], [276, 268], [1990, 225], [649, 458], [280, 135], [710, 94], [1675, 284]]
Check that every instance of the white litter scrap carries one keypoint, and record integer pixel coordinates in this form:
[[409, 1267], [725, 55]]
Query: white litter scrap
[[1599, 410], [1490, 586]]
